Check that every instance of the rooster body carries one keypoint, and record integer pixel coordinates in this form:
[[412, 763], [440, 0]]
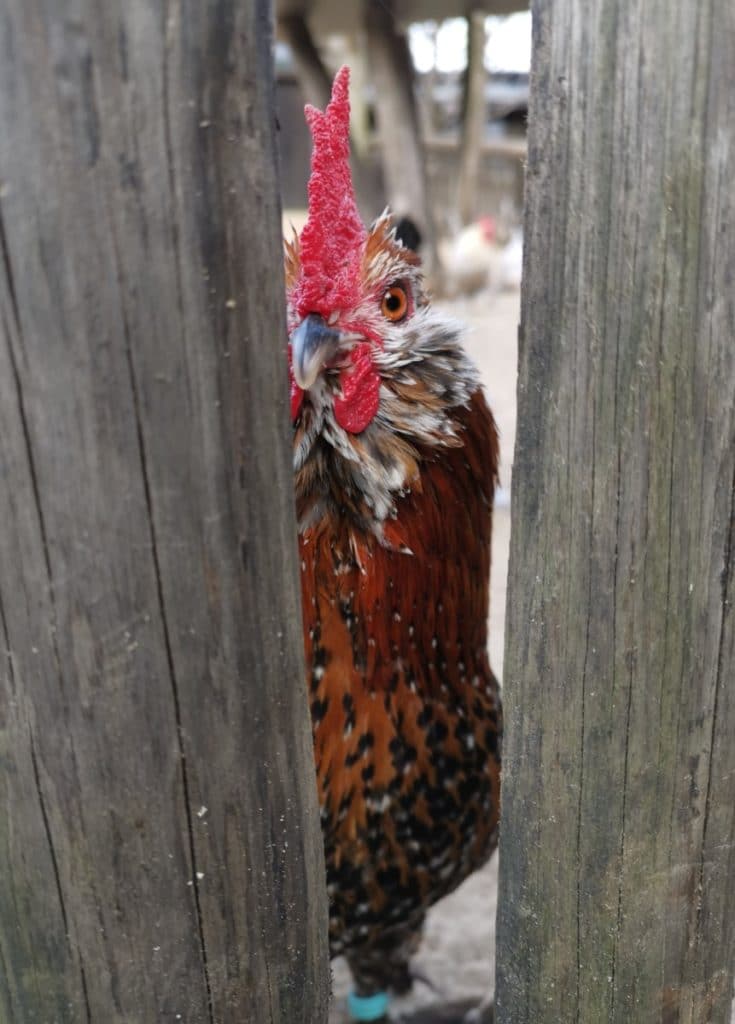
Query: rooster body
[[395, 456]]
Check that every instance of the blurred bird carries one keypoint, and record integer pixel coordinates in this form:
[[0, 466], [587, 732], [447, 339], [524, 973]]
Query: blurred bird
[[395, 458], [471, 258]]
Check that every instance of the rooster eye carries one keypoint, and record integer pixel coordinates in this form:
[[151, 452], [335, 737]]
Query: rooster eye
[[395, 303]]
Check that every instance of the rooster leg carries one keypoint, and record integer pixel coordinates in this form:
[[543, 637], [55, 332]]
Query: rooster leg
[[483, 1013], [382, 967], [368, 1008]]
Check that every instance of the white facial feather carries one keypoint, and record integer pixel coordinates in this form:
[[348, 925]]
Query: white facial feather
[[422, 354]]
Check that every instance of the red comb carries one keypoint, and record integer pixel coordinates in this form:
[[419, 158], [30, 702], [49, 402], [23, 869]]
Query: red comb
[[332, 238]]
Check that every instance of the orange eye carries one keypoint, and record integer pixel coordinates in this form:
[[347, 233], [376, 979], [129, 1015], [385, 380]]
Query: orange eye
[[395, 303]]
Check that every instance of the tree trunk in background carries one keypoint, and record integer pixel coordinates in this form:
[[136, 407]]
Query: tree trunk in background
[[314, 79], [617, 877], [473, 118], [404, 164], [160, 856], [315, 82]]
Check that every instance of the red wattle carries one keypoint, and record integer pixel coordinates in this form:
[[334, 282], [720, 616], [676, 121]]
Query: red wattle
[[360, 393]]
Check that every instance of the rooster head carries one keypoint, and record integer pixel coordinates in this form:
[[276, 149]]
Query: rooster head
[[374, 371]]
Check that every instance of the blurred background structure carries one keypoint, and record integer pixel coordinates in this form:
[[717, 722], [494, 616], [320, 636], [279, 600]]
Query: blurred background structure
[[439, 98]]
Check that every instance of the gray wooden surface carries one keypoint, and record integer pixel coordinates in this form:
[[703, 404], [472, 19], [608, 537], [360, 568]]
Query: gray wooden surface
[[160, 857], [617, 856]]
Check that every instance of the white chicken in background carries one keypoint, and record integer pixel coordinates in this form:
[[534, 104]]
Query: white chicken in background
[[483, 256], [470, 259]]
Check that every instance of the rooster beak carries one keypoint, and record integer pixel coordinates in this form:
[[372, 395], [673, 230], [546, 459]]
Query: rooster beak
[[313, 344]]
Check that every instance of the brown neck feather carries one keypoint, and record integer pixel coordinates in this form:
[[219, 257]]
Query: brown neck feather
[[375, 601]]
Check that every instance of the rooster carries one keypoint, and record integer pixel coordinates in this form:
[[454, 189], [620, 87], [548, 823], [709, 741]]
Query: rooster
[[395, 459]]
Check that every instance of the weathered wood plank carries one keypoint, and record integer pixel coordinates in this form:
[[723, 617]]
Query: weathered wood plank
[[160, 856], [617, 869]]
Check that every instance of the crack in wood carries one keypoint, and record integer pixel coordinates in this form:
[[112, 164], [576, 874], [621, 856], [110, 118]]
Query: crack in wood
[[25, 427], [57, 875], [10, 988], [679, 702], [725, 578], [10, 278], [669, 542], [49, 837], [170, 163], [8, 651], [616, 553], [85, 991], [590, 541], [621, 854]]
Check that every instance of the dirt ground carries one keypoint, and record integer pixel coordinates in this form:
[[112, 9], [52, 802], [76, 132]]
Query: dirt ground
[[457, 955]]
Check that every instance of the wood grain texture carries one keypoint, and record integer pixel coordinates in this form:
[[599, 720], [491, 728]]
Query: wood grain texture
[[160, 854], [617, 863]]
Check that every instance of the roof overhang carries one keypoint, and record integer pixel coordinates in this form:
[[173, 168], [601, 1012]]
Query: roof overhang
[[326, 17]]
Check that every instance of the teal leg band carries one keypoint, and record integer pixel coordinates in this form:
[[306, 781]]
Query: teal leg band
[[367, 1008]]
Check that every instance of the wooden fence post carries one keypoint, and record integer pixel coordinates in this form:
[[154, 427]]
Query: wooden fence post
[[160, 856], [617, 855]]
